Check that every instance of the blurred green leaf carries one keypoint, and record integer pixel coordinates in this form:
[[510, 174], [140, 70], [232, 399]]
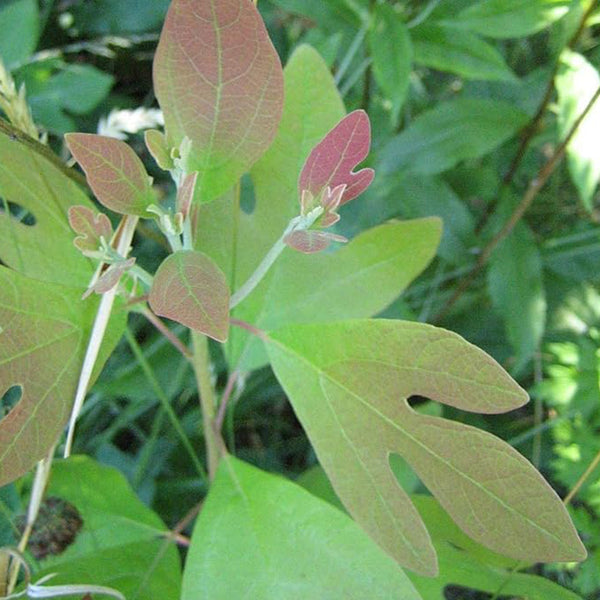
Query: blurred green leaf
[[442, 47], [392, 53], [576, 82], [19, 30], [510, 18], [260, 536], [121, 544], [451, 132], [515, 282]]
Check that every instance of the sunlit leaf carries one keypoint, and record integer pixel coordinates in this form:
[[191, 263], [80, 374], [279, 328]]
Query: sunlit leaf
[[260, 536], [576, 82], [510, 18], [114, 172], [190, 289], [225, 100], [333, 159], [349, 382], [158, 147]]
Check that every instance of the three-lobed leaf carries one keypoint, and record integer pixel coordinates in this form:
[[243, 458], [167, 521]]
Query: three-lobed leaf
[[219, 82], [190, 289], [113, 171], [349, 382]]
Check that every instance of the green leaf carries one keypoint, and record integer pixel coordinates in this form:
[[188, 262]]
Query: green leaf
[[227, 102], [391, 49], [576, 82], [358, 280], [330, 15], [19, 30], [260, 536], [348, 383], [55, 96], [44, 250], [121, 544], [451, 132], [191, 289], [510, 18], [515, 280], [158, 147], [44, 330], [443, 48], [114, 172]]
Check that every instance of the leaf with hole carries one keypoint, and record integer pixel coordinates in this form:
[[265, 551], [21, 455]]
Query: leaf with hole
[[225, 100], [190, 289], [114, 172], [349, 382], [290, 545]]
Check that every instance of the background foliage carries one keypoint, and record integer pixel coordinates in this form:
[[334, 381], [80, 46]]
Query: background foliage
[[472, 103]]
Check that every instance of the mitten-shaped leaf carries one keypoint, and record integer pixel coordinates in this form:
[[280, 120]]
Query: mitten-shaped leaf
[[190, 289], [158, 147], [90, 226], [219, 83], [113, 170], [349, 383], [332, 160]]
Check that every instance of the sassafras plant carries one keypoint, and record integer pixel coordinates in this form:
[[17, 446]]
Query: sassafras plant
[[276, 285]]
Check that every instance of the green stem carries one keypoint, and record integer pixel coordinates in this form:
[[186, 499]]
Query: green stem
[[142, 275], [160, 394], [212, 438], [300, 223]]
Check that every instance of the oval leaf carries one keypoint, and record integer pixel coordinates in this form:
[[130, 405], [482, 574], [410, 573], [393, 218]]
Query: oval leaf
[[190, 289], [113, 170], [333, 159], [349, 382], [219, 83]]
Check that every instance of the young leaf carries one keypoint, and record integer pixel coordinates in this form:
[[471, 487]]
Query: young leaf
[[219, 83], [510, 18], [391, 48], [190, 289], [158, 147], [349, 382], [576, 82], [44, 250], [44, 330], [114, 172], [285, 543], [451, 132], [332, 161], [90, 226]]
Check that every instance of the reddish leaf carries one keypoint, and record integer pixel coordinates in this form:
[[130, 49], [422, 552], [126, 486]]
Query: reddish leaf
[[332, 160], [185, 194], [190, 289], [90, 226], [113, 170], [110, 278], [219, 82], [311, 241]]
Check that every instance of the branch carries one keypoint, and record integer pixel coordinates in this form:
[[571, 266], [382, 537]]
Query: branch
[[536, 184]]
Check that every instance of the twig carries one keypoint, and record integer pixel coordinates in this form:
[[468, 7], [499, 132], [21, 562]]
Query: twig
[[259, 333], [534, 188], [231, 381], [595, 462], [533, 126], [162, 328]]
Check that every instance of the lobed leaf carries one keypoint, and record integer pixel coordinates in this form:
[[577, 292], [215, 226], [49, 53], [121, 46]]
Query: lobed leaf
[[114, 172], [90, 226], [190, 289], [156, 143], [349, 382], [227, 102], [332, 160], [261, 536]]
